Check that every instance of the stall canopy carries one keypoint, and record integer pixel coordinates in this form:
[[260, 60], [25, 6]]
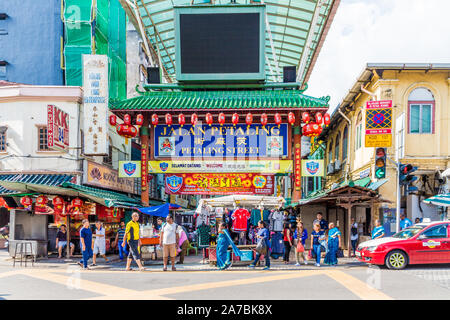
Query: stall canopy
[[159, 211], [442, 200], [234, 200]]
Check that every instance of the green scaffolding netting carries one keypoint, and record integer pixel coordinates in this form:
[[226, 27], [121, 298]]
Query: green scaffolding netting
[[95, 27]]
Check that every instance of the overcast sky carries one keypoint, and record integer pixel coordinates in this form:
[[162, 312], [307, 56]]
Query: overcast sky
[[379, 31]]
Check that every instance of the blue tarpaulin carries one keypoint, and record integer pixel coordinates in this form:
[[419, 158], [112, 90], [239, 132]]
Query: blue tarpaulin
[[159, 211]]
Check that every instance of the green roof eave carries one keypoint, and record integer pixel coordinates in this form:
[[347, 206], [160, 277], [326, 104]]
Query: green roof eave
[[220, 100]]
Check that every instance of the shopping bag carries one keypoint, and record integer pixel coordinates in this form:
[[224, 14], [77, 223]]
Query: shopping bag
[[261, 247], [310, 256], [300, 247]]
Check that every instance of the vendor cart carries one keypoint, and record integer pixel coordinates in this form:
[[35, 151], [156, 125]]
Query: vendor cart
[[148, 246], [248, 251]]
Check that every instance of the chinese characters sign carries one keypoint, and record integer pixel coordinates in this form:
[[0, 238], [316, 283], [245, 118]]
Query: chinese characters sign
[[220, 183], [57, 128], [378, 124], [298, 168], [95, 88], [221, 141]]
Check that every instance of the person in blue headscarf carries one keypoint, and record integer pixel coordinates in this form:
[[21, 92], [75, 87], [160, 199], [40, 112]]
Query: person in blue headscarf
[[378, 231], [334, 242], [223, 242]]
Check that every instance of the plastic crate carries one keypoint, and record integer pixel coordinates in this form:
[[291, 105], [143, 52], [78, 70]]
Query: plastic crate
[[247, 255]]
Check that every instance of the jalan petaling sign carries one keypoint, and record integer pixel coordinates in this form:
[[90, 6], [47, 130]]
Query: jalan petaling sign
[[270, 141]]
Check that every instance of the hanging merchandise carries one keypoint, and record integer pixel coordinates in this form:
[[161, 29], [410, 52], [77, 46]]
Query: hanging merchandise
[[221, 118], [291, 118], [264, 119], [277, 245], [240, 219], [194, 119], [168, 118], [77, 203], [113, 119], [181, 119], [204, 235], [41, 201], [26, 201], [235, 119], [203, 216], [249, 119], [139, 119], [276, 219], [154, 119], [278, 119], [209, 119], [58, 202], [305, 117], [258, 215]]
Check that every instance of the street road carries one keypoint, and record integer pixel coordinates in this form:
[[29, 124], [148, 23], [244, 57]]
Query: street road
[[346, 281]]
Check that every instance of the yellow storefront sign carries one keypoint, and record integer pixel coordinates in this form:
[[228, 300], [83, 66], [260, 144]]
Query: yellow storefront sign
[[378, 140]]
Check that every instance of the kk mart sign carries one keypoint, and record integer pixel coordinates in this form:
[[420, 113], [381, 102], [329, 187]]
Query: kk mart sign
[[378, 124]]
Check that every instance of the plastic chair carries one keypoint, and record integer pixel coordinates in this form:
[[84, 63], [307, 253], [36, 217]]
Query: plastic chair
[[191, 247]]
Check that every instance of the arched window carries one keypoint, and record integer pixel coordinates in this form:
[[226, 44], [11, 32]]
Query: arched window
[[358, 133], [344, 144], [336, 147], [421, 107], [330, 152]]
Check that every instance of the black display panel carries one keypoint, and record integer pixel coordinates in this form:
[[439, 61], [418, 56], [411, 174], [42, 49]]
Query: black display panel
[[220, 43]]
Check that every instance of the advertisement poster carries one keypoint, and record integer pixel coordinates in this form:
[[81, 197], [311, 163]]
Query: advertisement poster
[[221, 141], [95, 88], [231, 166], [313, 168], [378, 124], [220, 183], [57, 128]]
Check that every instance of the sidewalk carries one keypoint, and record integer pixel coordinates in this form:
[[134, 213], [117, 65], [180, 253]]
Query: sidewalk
[[191, 263]]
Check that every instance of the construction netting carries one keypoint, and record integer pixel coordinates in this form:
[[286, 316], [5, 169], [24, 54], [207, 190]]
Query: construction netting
[[95, 27]]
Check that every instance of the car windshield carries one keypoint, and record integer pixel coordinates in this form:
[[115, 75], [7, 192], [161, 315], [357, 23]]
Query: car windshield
[[408, 232]]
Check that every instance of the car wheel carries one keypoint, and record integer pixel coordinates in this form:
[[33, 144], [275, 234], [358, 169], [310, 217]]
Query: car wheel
[[396, 260]]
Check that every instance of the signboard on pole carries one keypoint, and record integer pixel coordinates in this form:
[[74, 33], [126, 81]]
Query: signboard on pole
[[57, 128], [378, 124], [312, 168], [95, 111]]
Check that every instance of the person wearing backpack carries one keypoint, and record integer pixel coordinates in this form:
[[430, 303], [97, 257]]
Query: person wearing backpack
[[169, 240], [354, 235]]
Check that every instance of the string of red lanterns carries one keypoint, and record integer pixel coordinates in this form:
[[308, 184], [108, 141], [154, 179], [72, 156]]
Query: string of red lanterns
[[310, 128]]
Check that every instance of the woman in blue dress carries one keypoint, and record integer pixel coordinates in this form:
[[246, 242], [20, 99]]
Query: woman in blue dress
[[223, 242], [334, 242]]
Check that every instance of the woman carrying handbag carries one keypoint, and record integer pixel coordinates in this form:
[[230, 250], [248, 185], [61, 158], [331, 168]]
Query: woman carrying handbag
[[301, 234]]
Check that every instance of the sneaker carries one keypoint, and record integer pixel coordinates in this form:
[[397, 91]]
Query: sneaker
[[165, 269], [317, 264], [297, 264], [93, 265], [174, 269], [266, 268]]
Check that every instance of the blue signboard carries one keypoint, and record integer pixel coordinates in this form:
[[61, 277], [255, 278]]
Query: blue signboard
[[241, 140]]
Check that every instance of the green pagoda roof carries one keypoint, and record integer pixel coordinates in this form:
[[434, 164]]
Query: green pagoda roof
[[220, 100]]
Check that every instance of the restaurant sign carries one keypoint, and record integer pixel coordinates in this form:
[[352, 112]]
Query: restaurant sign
[[268, 141], [104, 177], [220, 183]]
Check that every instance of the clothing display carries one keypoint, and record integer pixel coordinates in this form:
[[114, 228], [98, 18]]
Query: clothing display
[[276, 219], [240, 219], [277, 245], [203, 216], [258, 215], [204, 236]]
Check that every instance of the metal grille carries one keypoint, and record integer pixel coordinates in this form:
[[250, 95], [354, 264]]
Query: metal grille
[[42, 139], [3, 142]]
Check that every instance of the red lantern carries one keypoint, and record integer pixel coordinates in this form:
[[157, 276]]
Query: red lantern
[[209, 118], [154, 119], [305, 117], [308, 130], [58, 203], [112, 120], [249, 119], [194, 119], [41, 201], [127, 119], [26, 201], [326, 119], [77, 203], [126, 131], [315, 129], [235, 119], [181, 119], [168, 119], [139, 119], [318, 118], [277, 119], [221, 118], [291, 118], [264, 119]]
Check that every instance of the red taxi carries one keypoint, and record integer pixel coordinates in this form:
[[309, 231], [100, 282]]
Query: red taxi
[[422, 243]]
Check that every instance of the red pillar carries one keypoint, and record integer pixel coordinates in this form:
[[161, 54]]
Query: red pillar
[[144, 162], [297, 189]]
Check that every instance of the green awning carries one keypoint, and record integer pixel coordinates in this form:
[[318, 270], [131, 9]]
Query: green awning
[[364, 182], [220, 100], [375, 185]]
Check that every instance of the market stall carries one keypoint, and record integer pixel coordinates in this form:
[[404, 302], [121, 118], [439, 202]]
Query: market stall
[[241, 213]]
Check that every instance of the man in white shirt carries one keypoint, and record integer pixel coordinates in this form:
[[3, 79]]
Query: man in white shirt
[[169, 241], [99, 243]]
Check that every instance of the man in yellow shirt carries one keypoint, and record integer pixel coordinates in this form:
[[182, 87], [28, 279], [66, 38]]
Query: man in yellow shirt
[[132, 237]]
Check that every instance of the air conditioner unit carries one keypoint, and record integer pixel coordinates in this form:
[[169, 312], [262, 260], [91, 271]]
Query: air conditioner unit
[[337, 166], [330, 168]]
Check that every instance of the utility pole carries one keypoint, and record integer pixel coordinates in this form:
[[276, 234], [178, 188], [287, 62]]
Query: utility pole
[[397, 210]]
